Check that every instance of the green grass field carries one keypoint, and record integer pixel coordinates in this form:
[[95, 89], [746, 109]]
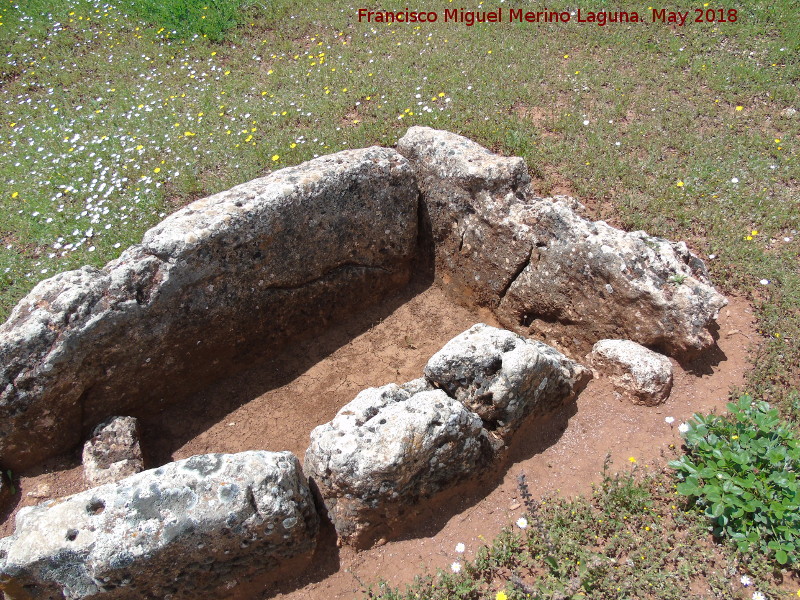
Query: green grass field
[[112, 115]]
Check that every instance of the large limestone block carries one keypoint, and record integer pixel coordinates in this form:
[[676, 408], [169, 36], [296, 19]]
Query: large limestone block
[[386, 450], [249, 268], [505, 378], [540, 264], [637, 372], [185, 530], [601, 282], [468, 191]]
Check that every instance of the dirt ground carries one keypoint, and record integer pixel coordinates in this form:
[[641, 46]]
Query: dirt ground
[[275, 404]]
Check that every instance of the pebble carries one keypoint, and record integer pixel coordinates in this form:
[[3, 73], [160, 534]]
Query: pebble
[[40, 491]]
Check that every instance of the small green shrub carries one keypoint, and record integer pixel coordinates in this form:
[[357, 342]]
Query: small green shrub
[[741, 470]]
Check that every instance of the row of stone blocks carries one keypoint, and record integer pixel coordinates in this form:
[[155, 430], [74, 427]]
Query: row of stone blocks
[[284, 256], [258, 265], [193, 528]]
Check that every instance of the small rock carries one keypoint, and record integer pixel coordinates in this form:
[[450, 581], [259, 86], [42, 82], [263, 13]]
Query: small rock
[[789, 112], [637, 373], [515, 504], [42, 490], [113, 452]]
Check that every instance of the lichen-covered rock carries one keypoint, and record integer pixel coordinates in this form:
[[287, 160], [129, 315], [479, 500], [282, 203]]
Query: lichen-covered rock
[[386, 450], [538, 263], [503, 377], [395, 445], [601, 282], [247, 269], [468, 191], [184, 530], [637, 372], [113, 452]]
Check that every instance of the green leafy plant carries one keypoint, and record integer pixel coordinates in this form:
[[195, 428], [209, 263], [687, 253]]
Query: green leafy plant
[[12, 487], [677, 279], [741, 470]]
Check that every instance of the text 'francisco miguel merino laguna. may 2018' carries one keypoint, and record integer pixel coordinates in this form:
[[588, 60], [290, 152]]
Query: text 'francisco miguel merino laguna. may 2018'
[[518, 15]]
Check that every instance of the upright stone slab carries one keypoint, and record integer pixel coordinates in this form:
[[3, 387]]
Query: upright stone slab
[[599, 282], [267, 261], [469, 191], [545, 269], [190, 529], [388, 449]]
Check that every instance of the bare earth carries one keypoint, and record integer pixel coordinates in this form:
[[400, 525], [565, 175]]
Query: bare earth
[[274, 405]]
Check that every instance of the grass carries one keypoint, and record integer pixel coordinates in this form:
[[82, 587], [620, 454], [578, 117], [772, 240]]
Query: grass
[[112, 115], [209, 19], [632, 538]]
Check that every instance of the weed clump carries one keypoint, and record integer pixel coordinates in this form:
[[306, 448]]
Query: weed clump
[[741, 472]]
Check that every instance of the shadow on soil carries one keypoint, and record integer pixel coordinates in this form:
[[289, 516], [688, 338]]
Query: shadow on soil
[[709, 359], [532, 438], [427, 518], [165, 432]]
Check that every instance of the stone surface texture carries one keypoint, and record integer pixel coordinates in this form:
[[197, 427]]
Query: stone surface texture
[[386, 450], [113, 452], [244, 270], [504, 377], [546, 270], [393, 446], [185, 530], [468, 192], [637, 372]]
